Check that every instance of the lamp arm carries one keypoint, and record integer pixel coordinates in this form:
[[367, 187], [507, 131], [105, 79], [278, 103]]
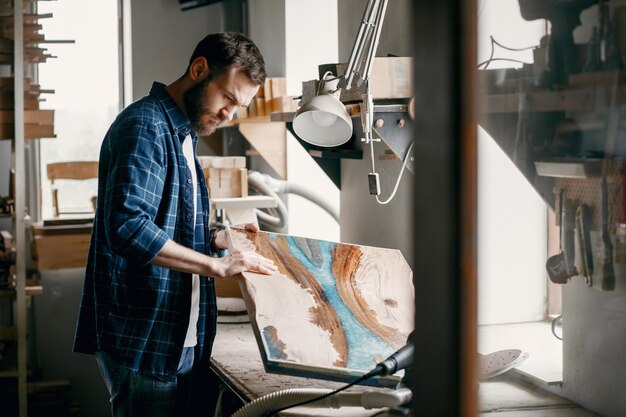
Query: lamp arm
[[380, 17], [360, 41]]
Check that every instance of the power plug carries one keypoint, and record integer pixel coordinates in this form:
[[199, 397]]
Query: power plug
[[374, 183]]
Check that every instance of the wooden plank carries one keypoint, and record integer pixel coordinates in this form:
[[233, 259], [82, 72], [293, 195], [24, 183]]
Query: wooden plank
[[44, 117], [34, 290], [270, 139], [31, 131], [253, 201], [75, 170], [61, 251], [8, 333], [7, 240], [278, 87], [551, 101], [332, 310]]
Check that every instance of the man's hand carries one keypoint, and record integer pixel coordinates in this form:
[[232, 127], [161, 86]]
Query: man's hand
[[221, 240], [239, 261]]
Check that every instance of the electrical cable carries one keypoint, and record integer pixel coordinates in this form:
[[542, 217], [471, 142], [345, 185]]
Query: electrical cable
[[490, 55], [491, 58], [501, 59], [395, 188], [399, 360], [526, 48], [368, 375], [557, 321]]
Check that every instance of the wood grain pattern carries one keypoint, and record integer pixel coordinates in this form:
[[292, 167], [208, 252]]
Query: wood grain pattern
[[332, 310]]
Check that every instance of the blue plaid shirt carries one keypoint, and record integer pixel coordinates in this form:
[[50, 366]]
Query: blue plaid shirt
[[136, 311]]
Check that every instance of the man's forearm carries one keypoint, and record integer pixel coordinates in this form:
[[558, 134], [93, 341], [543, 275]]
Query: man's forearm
[[180, 258]]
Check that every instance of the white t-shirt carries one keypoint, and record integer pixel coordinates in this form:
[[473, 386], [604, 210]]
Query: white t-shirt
[[190, 338]]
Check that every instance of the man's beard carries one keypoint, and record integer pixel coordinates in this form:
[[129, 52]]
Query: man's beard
[[195, 110]]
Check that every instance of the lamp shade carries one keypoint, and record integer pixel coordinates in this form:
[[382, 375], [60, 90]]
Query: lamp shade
[[323, 121]]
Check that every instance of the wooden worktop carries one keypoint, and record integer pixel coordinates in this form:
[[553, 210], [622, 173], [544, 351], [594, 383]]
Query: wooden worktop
[[237, 361]]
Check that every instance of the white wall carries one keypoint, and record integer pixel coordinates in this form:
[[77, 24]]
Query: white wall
[[311, 29], [363, 220], [264, 14], [163, 38], [512, 218], [512, 244], [294, 43]]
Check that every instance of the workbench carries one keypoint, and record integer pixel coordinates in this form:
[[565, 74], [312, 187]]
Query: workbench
[[236, 360]]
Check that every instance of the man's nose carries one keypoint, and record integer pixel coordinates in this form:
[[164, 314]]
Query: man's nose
[[228, 112]]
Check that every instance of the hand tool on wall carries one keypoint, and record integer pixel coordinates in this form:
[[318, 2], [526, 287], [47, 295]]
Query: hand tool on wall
[[620, 227], [567, 236], [561, 267], [604, 277], [583, 221]]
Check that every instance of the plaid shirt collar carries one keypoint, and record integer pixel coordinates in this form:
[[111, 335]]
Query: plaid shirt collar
[[175, 116]]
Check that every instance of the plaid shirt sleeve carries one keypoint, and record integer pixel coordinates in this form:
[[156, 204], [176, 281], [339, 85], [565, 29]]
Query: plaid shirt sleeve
[[134, 188]]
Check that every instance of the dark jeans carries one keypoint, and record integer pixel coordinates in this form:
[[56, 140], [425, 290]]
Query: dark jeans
[[133, 394]]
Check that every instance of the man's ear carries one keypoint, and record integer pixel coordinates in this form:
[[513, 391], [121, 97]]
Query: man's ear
[[199, 69]]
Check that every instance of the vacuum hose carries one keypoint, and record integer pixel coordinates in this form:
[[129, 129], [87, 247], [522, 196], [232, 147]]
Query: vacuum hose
[[368, 399], [267, 185], [275, 400], [278, 222]]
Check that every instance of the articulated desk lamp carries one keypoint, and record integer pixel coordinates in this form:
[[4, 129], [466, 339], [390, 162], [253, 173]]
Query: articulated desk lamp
[[323, 120]]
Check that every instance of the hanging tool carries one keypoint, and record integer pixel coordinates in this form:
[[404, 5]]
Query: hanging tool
[[605, 278], [583, 224], [561, 267], [620, 227]]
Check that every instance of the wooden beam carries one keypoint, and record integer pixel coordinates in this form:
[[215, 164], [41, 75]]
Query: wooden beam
[[270, 140]]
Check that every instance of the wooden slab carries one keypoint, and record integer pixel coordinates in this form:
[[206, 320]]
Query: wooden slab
[[332, 311]]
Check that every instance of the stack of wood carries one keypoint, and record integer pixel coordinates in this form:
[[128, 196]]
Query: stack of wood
[[37, 123], [33, 52], [7, 94], [271, 98], [226, 176]]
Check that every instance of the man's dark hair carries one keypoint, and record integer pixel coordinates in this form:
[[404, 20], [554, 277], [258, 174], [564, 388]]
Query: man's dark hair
[[227, 49]]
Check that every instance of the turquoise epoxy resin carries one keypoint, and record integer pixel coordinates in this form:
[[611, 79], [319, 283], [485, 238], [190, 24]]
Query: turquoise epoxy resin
[[365, 349]]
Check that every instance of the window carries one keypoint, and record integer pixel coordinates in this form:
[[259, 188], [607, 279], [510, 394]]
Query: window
[[86, 83], [515, 296]]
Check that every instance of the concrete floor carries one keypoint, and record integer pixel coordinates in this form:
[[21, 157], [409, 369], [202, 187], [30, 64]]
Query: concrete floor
[[512, 394], [509, 396]]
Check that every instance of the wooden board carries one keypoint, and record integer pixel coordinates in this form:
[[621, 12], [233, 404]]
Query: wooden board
[[61, 251], [332, 311]]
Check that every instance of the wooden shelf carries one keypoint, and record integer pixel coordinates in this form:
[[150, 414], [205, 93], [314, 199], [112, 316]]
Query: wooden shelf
[[234, 203], [9, 373], [570, 168], [31, 291]]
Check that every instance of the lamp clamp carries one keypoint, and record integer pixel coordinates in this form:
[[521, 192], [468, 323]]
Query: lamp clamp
[[368, 140]]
